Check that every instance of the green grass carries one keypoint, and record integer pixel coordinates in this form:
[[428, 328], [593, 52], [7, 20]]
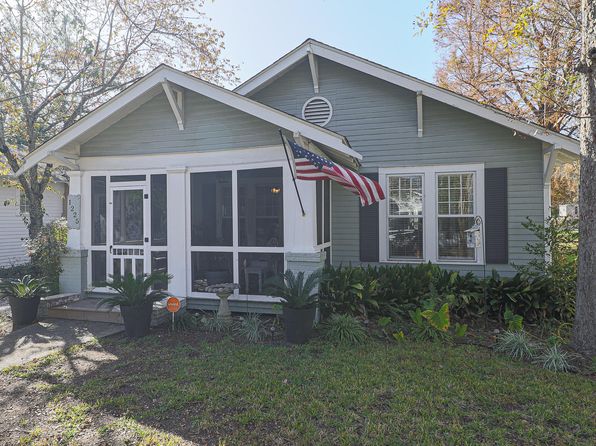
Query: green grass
[[163, 390]]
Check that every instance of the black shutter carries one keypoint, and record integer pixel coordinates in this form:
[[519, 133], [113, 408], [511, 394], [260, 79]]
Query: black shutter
[[369, 229], [496, 216]]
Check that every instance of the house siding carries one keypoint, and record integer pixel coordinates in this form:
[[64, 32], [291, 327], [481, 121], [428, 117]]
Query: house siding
[[209, 126], [14, 231], [380, 121]]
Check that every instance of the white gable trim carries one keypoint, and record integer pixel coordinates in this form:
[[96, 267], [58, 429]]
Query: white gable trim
[[148, 87], [285, 63]]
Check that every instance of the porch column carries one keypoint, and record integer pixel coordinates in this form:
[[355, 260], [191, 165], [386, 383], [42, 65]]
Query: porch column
[[73, 278], [177, 246]]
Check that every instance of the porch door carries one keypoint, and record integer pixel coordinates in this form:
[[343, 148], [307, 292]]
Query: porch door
[[128, 231]]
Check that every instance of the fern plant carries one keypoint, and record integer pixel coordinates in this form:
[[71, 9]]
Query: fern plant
[[27, 287], [344, 329], [296, 291], [133, 291]]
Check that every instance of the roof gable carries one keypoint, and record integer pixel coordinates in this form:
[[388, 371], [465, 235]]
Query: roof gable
[[151, 85], [312, 47]]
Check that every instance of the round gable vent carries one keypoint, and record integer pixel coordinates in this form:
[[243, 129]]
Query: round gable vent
[[317, 111]]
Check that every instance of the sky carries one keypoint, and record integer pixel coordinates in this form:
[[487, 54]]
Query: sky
[[258, 32]]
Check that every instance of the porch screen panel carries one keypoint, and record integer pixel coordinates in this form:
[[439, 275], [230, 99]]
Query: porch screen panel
[[211, 267], [260, 207], [159, 263], [159, 212], [98, 210], [211, 209], [256, 268], [98, 268]]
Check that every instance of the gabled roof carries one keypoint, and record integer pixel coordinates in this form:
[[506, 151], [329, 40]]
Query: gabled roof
[[286, 62], [334, 144]]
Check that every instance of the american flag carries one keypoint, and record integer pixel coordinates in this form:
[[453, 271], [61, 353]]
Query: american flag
[[310, 166]]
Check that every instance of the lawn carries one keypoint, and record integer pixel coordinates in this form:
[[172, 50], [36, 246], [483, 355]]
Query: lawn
[[184, 389]]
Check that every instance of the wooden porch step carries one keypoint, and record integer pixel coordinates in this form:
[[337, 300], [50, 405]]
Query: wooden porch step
[[86, 310]]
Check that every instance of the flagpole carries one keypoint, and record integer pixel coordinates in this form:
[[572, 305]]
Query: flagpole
[[283, 141]]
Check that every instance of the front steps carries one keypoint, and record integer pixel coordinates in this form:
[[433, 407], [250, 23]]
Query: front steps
[[86, 310]]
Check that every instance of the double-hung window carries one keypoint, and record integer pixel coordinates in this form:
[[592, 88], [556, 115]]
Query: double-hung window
[[427, 211]]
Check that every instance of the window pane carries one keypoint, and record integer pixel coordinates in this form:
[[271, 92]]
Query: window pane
[[159, 211], [452, 238], [98, 210], [406, 238], [211, 208], [159, 263], [327, 212], [125, 178], [260, 207], [128, 217], [98, 268], [214, 267], [256, 268], [455, 194], [405, 195]]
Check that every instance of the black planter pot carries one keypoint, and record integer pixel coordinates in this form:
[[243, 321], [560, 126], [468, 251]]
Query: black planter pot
[[298, 324], [24, 311], [137, 319]]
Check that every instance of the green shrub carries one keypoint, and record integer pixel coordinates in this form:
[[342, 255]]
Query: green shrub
[[397, 290], [516, 344], [15, 271], [46, 249], [187, 321], [296, 290], [344, 329], [434, 325], [251, 327], [214, 324], [554, 256], [514, 322], [555, 359]]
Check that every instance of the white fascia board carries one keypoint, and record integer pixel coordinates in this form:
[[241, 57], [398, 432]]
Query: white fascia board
[[155, 78], [408, 82]]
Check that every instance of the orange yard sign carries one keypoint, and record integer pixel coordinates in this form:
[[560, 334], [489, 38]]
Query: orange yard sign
[[173, 304]]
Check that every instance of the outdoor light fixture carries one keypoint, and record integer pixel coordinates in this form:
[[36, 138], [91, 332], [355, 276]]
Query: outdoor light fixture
[[275, 190]]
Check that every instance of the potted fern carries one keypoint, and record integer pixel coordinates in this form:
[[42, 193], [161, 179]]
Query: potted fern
[[135, 297], [23, 296], [300, 297]]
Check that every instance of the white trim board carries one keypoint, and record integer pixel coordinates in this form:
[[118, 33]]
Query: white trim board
[[150, 85], [285, 63]]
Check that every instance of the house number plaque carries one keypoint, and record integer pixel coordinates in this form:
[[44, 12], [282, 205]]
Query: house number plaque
[[74, 212]]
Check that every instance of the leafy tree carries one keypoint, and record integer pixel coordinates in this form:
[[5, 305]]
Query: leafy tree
[[517, 55], [565, 184], [584, 328], [61, 58]]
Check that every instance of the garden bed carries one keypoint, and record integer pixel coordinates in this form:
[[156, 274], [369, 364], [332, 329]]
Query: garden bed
[[199, 388]]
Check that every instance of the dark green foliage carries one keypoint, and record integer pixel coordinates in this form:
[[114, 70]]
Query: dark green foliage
[[14, 271], [133, 291], [187, 321], [344, 329], [554, 256], [398, 290], [296, 291], [46, 249], [24, 288]]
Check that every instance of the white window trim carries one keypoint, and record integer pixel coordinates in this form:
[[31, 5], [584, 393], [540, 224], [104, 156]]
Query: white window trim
[[430, 213]]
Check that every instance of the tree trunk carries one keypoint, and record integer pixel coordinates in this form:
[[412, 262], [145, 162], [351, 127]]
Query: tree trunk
[[36, 212], [584, 329]]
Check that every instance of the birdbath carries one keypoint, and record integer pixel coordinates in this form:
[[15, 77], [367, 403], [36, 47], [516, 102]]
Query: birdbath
[[223, 291]]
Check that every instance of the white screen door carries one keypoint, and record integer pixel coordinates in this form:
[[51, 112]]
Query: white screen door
[[129, 230]]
